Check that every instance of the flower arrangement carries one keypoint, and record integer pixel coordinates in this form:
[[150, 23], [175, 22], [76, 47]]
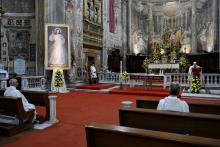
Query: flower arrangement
[[182, 61], [58, 80], [196, 85], [145, 63], [156, 55], [125, 76], [173, 55]]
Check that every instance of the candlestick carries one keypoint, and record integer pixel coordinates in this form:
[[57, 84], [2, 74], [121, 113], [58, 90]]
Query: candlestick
[[121, 67]]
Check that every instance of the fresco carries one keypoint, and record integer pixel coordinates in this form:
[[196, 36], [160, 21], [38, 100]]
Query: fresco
[[19, 6], [150, 21]]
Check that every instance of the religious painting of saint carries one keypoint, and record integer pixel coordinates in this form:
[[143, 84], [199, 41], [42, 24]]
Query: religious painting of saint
[[57, 46]]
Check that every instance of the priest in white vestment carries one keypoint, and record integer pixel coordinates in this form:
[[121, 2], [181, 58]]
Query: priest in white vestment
[[172, 102], [93, 73], [191, 76]]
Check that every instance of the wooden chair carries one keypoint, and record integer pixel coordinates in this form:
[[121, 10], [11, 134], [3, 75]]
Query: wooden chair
[[99, 135], [195, 107], [196, 124], [12, 106]]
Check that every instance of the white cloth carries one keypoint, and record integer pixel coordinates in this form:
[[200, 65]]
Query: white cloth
[[172, 103], [12, 91], [93, 71]]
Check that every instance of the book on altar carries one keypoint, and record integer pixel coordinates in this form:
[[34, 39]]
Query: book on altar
[[196, 70]]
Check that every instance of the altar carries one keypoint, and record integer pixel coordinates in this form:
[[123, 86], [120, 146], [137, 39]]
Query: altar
[[148, 80], [163, 67]]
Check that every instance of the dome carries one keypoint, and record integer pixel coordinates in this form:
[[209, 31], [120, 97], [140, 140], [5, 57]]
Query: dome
[[171, 9]]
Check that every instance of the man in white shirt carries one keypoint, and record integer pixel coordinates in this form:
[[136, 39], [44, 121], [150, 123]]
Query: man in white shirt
[[93, 73], [12, 91], [172, 103]]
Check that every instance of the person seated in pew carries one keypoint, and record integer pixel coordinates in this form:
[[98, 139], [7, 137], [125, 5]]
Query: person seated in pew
[[12, 91], [172, 102]]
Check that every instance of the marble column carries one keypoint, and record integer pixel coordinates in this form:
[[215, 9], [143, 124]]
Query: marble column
[[186, 20], [218, 30], [124, 30], [56, 12], [151, 21], [40, 19], [105, 34], [193, 28], [53, 117], [214, 16], [129, 24]]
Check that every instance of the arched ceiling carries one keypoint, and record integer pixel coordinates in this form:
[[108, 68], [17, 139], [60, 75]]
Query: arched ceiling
[[143, 3]]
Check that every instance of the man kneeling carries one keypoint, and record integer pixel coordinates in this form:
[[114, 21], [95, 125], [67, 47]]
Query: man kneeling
[[173, 103]]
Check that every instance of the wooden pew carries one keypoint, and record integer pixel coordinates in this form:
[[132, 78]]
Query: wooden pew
[[195, 107], [12, 106], [196, 124], [38, 98], [99, 135]]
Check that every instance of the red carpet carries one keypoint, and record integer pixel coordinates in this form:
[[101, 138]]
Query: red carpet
[[74, 110], [95, 86], [142, 91]]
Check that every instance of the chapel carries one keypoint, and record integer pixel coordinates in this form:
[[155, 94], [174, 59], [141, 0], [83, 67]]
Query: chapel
[[95, 72]]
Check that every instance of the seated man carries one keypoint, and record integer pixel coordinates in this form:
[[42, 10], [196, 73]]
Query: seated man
[[12, 91], [173, 103]]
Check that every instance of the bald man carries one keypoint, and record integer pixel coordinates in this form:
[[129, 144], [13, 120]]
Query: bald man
[[12, 91]]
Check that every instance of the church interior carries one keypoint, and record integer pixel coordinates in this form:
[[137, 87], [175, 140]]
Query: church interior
[[95, 72]]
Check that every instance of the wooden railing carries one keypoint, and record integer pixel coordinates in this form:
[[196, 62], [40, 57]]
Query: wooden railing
[[208, 79]]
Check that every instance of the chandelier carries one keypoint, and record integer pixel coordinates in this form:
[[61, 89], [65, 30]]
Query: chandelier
[[171, 9]]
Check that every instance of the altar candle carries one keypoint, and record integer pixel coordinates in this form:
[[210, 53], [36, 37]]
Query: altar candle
[[121, 67]]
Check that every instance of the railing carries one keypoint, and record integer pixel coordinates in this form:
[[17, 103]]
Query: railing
[[109, 78], [181, 78], [33, 82], [115, 78], [28, 83], [208, 79]]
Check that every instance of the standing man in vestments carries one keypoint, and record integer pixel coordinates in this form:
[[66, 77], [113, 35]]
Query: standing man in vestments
[[93, 74], [194, 73]]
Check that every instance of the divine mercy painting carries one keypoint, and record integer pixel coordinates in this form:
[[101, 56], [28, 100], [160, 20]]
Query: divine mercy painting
[[57, 48]]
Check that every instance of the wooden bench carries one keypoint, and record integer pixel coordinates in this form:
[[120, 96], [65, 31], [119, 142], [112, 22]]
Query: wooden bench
[[195, 107], [117, 136], [38, 98], [12, 106], [196, 124]]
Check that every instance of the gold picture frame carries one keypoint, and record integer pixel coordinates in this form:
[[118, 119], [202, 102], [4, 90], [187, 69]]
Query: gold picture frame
[[57, 46]]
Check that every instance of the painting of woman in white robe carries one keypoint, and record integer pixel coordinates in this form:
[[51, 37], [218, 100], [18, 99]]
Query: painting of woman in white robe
[[57, 49]]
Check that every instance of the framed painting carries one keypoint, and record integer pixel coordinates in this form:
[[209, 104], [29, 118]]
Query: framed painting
[[57, 46]]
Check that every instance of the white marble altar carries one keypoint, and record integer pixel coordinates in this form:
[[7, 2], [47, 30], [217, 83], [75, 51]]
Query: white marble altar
[[162, 67]]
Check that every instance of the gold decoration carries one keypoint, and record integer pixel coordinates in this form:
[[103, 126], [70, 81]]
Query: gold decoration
[[125, 76], [146, 63]]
